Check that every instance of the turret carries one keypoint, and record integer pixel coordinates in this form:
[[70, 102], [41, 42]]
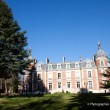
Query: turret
[[100, 57]]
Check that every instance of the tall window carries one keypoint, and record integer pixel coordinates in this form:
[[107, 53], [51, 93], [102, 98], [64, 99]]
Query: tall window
[[49, 76], [90, 84], [39, 76], [50, 86], [102, 63], [89, 74], [59, 75], [68, 84], [39, 86], [59, 84], [78, 84], [77, 74], [68, 75]]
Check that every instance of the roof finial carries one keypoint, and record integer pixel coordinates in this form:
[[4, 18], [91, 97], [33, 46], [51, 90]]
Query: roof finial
[[99, 45]]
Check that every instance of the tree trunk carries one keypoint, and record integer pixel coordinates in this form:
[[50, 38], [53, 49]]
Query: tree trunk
[[0, 83], [6, 86]]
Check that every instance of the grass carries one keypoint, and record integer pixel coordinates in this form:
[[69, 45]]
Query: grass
[[58, 101]]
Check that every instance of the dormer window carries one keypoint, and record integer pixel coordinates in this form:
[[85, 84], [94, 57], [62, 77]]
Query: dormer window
[[76, 65], [88, 64], [39, 67], [67, 66], [58, 66], [50, 67]]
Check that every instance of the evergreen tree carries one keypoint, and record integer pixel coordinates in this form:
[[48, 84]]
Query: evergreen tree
[[13, 54]]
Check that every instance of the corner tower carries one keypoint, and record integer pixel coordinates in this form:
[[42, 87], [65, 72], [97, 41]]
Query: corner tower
[[101, 62], [100, 57]]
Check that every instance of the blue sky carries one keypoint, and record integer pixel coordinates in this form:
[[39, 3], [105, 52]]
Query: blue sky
[[57, 28]]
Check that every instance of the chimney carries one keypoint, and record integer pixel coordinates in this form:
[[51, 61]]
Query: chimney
[[80, 58], [63, 59], [47, 60]]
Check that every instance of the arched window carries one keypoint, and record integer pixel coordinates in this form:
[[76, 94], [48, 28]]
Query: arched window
[[102, 63]]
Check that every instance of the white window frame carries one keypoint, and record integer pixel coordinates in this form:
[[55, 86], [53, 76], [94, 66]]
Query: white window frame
[[102, 61], [68, 77], [69, 84], [51, 75], [77, 65], [58, 65], [78, 85], [68, 66], [90, 85], [59, 85], [50, 85], [88, 64], [89, 74], [77, 72], [58, 75], [40, 76], [50, 67]]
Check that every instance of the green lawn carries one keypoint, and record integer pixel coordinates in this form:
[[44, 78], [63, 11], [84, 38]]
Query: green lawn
[[57, 102]]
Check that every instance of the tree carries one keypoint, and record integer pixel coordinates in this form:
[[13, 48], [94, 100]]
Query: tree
[[107, 76], [13, 55]]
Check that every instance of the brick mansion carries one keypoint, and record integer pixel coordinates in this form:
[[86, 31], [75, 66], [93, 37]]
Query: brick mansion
[[81, 76]]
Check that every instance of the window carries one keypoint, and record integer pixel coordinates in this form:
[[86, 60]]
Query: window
[[77, 74], [89, 74], [50, 86], [39, 67], [50, 67], [102, 63], [76, 65], [78, 84], [49, 76], [68, 84], [39, 87], [39, 76], [67, 66], [68, 75], [59, 66], [59, 84], [88, 65], [59, 75], [90, 84]]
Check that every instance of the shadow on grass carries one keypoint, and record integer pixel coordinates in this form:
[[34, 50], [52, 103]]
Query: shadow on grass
[[26, 95], [89, 101], [47, 103]]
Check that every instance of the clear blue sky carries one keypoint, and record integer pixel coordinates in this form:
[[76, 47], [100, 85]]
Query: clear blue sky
[[57, 28]]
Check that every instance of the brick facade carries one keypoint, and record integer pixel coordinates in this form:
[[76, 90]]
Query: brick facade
[[82, 76]]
